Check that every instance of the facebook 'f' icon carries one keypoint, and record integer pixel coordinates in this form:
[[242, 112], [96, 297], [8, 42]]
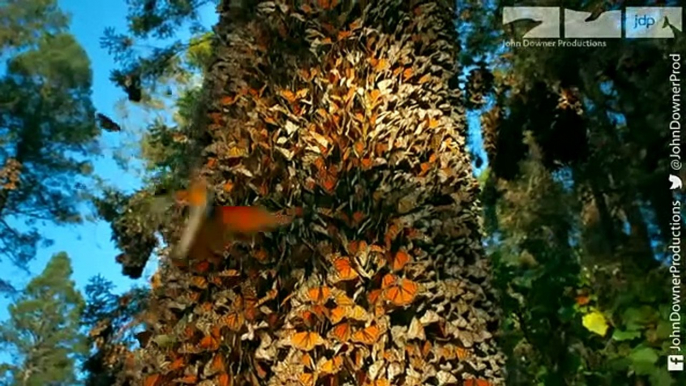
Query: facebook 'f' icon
[[675, 363]]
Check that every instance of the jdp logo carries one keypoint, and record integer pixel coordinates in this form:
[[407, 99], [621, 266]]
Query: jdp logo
[[675, 363], [639, 22]]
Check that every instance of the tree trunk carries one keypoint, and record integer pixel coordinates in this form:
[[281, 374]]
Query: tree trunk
[[351, 115]]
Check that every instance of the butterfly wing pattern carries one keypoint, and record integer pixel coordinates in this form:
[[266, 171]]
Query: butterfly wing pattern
[[343, 109], [198, 199], [210, 227]]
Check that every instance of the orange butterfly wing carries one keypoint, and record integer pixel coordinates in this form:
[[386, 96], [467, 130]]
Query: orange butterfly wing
[[477, 382], [331, 366], [344, 269], [198, 198], [152, 380], [178, 364], [399, 260], [209, 240], [341, 332], [224, 379], [337, 314], [209, 343], [319, 295], [367, 336], [306, 341], [399, 292], [249, 219]]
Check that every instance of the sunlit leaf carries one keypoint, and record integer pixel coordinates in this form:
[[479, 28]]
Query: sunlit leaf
[[595, 322]]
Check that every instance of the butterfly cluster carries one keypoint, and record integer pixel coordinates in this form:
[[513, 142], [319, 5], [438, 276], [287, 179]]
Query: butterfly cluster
[[343, 116]]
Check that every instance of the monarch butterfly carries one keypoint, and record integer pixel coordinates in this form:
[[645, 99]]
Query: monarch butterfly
[[209, 343], [344, 270], [399, 260], [341, 332], [107, 123], [399, 292], [215, 366], [306, 340], [208, 225], [330, 366], [319, 295], [178, 364], [368, 335]]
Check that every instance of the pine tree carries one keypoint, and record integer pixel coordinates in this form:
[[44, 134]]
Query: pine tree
[[47, 125], [42, 333]]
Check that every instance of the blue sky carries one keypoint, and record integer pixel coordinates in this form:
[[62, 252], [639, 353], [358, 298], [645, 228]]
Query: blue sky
[[89, 244]]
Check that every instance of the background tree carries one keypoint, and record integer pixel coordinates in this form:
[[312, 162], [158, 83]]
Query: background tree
[[23, 23], [107, 316], [42, 333], [47, 125], [587, 128], [144, 65]]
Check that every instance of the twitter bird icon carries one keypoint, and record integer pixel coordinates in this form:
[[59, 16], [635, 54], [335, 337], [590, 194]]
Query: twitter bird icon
[[675, 181]]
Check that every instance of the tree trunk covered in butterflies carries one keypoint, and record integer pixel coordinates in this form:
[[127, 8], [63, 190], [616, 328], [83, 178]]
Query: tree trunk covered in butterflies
[[350, 117]]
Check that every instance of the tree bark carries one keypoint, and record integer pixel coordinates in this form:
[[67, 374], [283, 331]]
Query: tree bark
[[350, 115]]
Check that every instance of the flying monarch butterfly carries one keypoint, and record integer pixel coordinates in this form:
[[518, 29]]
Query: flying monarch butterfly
[[107, 124], [209, 227]]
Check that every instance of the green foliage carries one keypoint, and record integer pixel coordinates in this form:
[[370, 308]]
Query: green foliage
[[576, 219], [136, 219], [103, 303], [162, 18], [47, 126], [199, 51], [143, 66], [23, 22], [42, 333]]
